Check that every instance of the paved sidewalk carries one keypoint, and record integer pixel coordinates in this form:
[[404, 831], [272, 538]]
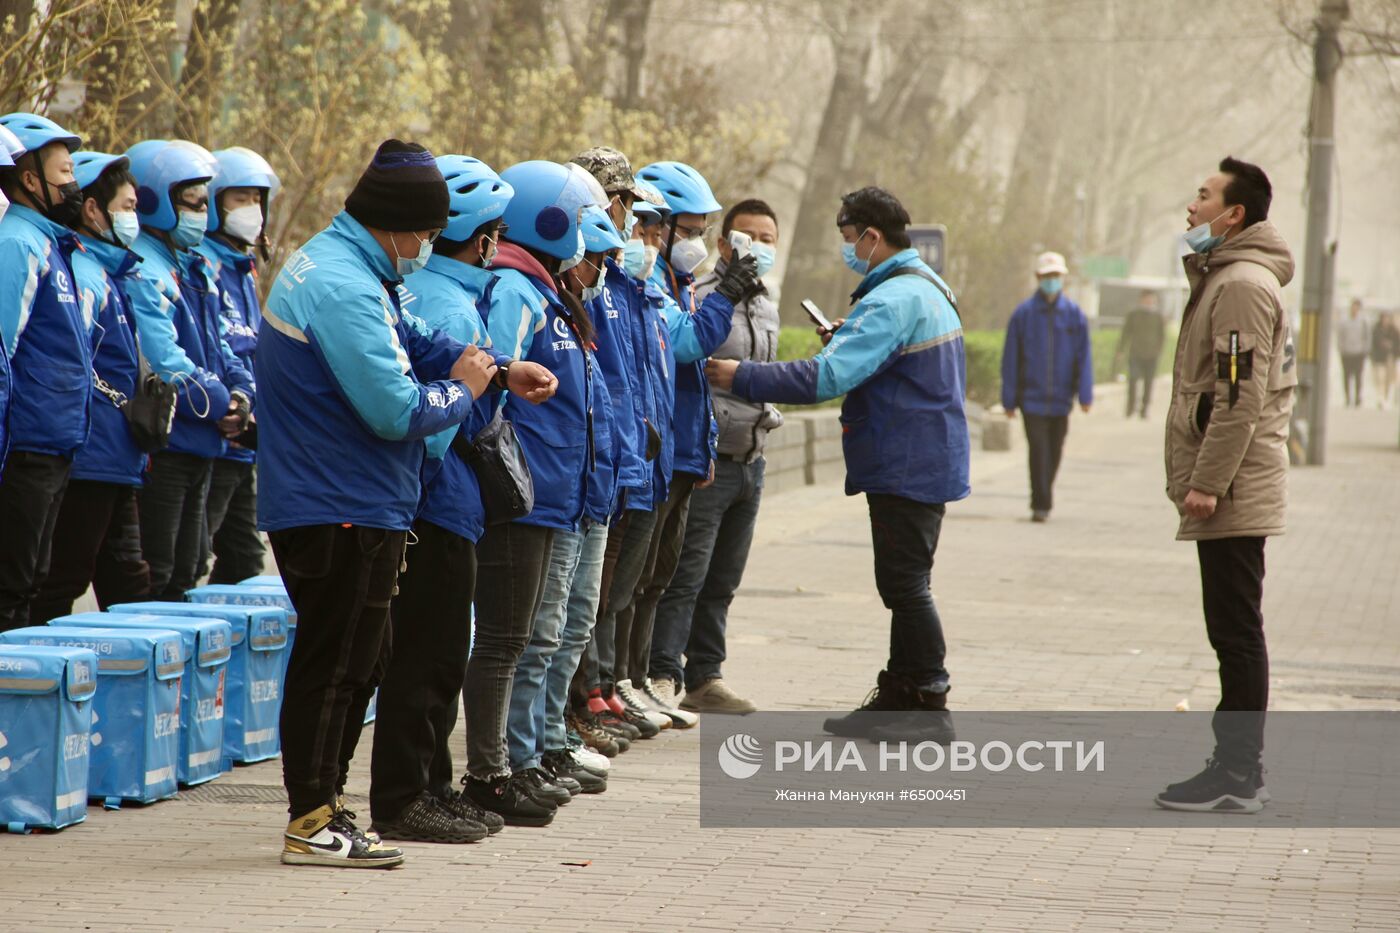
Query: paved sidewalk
[[1098, 609]]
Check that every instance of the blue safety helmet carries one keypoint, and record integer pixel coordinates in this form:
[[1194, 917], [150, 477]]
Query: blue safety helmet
[[599, 234], [686, 191], [159, 170], [240, 168], [10, 148], [475, 195], [88, 166], [549, 199], [35, 132]]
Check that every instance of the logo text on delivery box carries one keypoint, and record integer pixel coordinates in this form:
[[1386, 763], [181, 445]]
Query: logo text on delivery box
[[741, 756]]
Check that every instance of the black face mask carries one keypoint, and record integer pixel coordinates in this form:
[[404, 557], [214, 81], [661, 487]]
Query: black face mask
[[69, 208]]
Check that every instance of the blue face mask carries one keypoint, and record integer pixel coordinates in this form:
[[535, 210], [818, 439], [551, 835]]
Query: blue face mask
[[1201, 240], [125, 226], [412, 264], [1051, 287], [634, 258], [189, 230], [855, 264], [765, 255]]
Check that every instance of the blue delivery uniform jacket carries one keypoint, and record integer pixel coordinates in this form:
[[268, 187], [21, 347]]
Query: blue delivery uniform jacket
[[350, 386], [560, 438], [444, 296], [201, 290], [899, 361], [110, 455], [615, 318], [653, 344], [235, 273], [204, 393], [44, 334], [697, 329], [1046, 359]]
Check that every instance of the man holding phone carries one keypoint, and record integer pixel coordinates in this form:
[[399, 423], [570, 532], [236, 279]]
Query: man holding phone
[[690, 619], [898, 359]]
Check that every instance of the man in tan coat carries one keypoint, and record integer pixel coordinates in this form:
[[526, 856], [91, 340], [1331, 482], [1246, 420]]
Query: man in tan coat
[[1227, 458]]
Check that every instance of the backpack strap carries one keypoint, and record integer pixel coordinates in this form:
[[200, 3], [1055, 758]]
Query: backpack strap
[[943, 289]]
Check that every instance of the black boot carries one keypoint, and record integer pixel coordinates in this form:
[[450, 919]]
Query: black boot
[[927, 720], [893, 693]]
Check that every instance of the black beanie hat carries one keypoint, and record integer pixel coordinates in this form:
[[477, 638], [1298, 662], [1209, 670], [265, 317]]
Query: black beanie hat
[[402, 190]]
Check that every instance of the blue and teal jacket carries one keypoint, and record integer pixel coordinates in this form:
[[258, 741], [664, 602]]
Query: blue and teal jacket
[[651, 337], [204, 383], [899, 361], [102, 270], [615, 318], [696, 330], [1046, 360], [236, 274], [44, 334], [444, 296], [563, 441], [350, 386]]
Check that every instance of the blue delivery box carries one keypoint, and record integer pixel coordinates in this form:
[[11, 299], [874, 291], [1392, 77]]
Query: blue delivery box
[[253, 690], [207, 651], [45, 723], [135, 711]]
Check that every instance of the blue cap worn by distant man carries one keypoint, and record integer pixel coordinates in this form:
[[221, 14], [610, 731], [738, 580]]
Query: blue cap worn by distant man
[[401, 190]]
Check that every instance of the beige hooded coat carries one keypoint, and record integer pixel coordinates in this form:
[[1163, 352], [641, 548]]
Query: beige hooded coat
[[1232, 388]]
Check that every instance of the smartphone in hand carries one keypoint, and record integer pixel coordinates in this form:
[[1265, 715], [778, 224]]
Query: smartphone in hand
[[816, 315]]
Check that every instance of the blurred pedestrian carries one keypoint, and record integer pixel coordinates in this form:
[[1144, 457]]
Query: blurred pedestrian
[[1385, 349], [1141, 339], [1354, 343], [1045, 363]]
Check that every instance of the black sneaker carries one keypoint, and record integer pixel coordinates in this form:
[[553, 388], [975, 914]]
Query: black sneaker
[[562, 779], [561, 763], [618, 726], [461, 806], [892, 693], [426, 820], [510, 799], [1214, 790], [646, 729], [927, 720], [1256, 778], [542, 788]]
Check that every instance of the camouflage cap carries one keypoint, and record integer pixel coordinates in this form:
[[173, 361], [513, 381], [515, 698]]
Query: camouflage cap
[[610, 167]]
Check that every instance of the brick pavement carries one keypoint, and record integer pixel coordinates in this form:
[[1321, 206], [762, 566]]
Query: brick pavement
[[1098, 609]]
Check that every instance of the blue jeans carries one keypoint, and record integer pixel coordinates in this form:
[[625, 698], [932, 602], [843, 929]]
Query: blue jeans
[[525, 715], [690, 618], [579, 619]]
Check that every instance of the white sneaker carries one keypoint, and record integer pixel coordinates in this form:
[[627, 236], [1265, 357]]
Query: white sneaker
[[661, 694], [634, 701], [590, 759], [328, 837]]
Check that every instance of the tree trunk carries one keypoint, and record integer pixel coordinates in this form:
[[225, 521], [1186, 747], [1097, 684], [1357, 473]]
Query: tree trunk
[[129, 83], [812, 267], [204, 80]]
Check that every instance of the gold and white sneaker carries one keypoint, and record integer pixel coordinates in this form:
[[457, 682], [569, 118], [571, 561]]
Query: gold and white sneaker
[[341, 806], [328, 837]]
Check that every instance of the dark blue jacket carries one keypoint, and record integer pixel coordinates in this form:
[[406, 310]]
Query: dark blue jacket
[[652, 345], [561, 438], [697, 329], [42, 327], [899, 361], [1046, 359], [350, 387], [614, 318], [102, 271], [235, 273]]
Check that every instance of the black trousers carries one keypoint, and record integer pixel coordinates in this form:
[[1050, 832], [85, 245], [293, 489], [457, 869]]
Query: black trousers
[[340, 580], [96, 541], [173, 527], [232, 517], [30, 497], [512, 560], [431, 622], [1140, 374], [905, 537], [1045, 435], [1232, 589], [1353, 365]]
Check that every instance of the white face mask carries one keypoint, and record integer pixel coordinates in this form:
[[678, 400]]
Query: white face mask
[[244, 223], [686, 255]]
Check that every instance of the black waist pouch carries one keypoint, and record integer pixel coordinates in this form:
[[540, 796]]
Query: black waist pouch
[[495, 455]]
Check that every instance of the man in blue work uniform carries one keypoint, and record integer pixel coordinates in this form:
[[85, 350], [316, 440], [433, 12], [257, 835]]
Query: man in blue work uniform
[[898, 359]]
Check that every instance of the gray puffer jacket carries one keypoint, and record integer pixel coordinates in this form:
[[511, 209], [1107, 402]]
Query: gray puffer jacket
[[744, 425]]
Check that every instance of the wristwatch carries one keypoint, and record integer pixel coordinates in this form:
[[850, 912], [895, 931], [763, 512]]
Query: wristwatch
[[502, 377]]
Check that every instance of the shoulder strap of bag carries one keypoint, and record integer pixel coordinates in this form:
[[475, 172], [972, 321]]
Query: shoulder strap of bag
[[943, 289]]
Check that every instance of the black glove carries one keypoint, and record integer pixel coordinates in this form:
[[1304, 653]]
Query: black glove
[[740, 281]]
